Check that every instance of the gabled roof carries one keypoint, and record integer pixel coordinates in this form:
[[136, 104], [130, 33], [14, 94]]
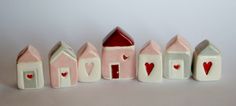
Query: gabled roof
[[87, 51], [179, 44], [61, 47], [117, 37], [206, 48], [28, 54], [151, 47]]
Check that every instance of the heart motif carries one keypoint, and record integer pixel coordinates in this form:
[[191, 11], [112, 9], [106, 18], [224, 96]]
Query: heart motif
[[149, 68], [30, 76], [207, 67], [64, 74], [125, 57], [89, 67], [176, 66]]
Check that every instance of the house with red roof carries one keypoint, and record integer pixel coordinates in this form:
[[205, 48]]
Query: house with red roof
[[118, 56]]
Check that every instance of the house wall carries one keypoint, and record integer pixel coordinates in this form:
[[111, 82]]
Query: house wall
[[31, 66], [95, 72], [156, 74], [111, 55], [63, 61], [178, 56]]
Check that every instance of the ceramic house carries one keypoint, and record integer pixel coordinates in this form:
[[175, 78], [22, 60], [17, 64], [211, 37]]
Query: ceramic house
[[150, 63], [89, 63], [29, 69], [118, 56], [63, 66], [207, 62], [177, 59]]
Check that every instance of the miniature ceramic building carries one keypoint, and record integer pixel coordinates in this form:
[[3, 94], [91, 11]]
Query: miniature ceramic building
[[89, 63], [29, 69], [177, 59], [63, 66], [118, 56], [207, 62], [150, 63]]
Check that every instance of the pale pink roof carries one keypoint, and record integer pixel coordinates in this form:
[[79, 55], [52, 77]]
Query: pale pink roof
[[178, 43], [87, 51], [28, 54], [151, 47]]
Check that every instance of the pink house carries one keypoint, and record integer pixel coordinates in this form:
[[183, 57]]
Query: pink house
[[118, 56], [63, 66]]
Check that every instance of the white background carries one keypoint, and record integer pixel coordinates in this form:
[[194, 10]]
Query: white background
[[43, 23]]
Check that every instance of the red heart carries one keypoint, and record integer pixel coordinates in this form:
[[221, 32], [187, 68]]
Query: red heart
[[149, 68], [125, 57], [30, 76], [64, 74], [207, 67], [176, 66]]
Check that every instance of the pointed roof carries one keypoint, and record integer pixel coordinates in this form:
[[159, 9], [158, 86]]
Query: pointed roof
[[87, 51], [178, 43], [151, 47], [61, 47], [206, 48], [28, 54], [118, 37]]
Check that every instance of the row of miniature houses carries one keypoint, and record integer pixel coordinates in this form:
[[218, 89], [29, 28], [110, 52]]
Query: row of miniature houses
[[118, 62]]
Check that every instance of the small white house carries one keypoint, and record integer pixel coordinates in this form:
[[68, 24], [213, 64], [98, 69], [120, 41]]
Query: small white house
[[207, 62], [29, 69], [178, 59], [89, 64], [150, 63]]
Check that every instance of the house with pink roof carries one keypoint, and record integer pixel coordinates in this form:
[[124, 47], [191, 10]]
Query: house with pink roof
[[150, 63], [63, 66], [89, 63], [29, 69], [177, 59], [118, 56]]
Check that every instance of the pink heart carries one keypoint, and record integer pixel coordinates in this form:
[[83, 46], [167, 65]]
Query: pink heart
[[89, 67]]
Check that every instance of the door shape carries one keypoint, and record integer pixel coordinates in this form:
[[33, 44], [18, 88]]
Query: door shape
[[176, 69], [115, 71], [29, 79], [64, 77]]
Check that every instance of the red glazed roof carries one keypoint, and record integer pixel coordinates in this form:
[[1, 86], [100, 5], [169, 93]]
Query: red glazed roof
[[118, 37]]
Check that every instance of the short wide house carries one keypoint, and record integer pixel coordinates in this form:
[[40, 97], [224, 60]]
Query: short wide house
[[150, 63], [29, 69], [63, 66], [178, 59], [118, 56], [207, 62]]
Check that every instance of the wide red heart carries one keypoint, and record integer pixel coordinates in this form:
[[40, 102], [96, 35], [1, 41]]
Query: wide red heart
[[149, 68], [125, 57], [176, 66], [30, 76], [207, 67], [64, 74]]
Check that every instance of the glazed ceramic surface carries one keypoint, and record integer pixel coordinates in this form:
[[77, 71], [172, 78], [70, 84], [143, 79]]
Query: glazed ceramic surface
[[207, 62], [29, 69]]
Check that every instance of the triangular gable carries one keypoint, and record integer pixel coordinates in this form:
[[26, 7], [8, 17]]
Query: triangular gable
[[62, 47], [178, 43], [28, 54], [151, 47], [206, 48], [118, 37], [87, 51]]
